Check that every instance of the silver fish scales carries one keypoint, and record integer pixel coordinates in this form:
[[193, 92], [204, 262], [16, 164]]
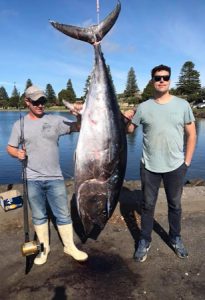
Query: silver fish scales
[[101, 151]]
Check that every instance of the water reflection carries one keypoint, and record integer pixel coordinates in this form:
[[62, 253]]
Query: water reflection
[[10, 168]]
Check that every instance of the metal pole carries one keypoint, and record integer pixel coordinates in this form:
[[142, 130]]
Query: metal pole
[[98, 10], [25, 189]]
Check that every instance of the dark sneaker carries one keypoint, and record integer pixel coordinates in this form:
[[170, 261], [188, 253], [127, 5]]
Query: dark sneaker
[[142, 250], [179, 248]]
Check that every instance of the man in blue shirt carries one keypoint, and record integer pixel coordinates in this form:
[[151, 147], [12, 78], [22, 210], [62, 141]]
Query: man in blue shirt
[[164, 119]]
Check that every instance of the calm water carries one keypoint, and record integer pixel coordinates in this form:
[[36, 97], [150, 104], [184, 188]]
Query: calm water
[[10, 168]]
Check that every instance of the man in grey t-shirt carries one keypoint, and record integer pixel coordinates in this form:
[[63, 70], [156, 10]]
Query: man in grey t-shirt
[[164, 119], [40, 133]]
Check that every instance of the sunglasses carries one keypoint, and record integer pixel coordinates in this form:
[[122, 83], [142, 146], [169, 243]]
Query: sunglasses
[[41, 101], [159, 78]]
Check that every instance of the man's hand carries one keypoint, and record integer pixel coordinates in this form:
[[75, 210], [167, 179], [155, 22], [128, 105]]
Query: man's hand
[[21, 154], [129, 114], [16, 152], [75, 109], [78, 107], [127, 119]]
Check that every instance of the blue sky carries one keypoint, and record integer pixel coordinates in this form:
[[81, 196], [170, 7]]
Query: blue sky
[[147, 33]]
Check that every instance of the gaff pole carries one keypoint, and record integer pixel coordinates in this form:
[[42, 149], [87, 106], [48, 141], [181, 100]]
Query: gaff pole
[[98, 10]]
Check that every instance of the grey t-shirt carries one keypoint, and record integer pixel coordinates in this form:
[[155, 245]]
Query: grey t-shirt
[[41, 141], [163, 133]]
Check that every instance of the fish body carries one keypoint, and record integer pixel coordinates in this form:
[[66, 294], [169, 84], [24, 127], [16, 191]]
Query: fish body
[[100, 160]]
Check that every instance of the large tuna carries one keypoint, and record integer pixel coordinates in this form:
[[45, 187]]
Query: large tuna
[[101, 150]]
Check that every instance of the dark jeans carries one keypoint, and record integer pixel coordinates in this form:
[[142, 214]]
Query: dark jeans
[[173, 185]]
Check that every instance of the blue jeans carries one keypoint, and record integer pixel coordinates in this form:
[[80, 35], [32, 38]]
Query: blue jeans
[[173, 185], [51, 191]]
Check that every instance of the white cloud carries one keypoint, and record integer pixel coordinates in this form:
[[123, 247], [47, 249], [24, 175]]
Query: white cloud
[[62, 68], [109, 46], [7, 83], [7, 13]]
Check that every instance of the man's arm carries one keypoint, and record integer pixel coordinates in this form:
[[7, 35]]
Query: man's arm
[[190, 131], [76, 110], [75, 126], [16, 152], [130, 128], [127, 118]]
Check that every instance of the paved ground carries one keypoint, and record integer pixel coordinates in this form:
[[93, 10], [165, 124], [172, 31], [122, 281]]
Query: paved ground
[[111, 272]]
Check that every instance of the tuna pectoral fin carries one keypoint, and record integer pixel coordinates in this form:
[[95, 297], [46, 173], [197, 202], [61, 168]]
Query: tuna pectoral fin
[[93, 33]]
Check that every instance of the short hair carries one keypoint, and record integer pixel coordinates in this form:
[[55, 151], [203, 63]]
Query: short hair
[[160, 68]]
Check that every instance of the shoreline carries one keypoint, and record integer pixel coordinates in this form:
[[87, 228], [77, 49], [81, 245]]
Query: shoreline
[[198, 113], [132, 184]]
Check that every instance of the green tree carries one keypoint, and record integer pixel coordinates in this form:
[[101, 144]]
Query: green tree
[[86, 88], [3, 94], [65, 95], [131, 86], [189, 82], [4, 98], [148, 91], [14, 101], [71, 92], [28, 83], [203, 93], [50, 94], [4, 104], [173, 91]]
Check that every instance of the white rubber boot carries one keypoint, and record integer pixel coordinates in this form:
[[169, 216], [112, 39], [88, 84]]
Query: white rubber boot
[[43, 237], [66, 233]]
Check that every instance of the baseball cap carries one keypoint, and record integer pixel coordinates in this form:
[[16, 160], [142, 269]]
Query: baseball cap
[[34, 93]]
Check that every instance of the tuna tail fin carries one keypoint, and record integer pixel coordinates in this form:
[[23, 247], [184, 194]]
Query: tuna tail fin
[[91, 34]]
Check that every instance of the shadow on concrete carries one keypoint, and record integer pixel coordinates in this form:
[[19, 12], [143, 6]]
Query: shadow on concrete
[[59, 293], [130, 205]]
